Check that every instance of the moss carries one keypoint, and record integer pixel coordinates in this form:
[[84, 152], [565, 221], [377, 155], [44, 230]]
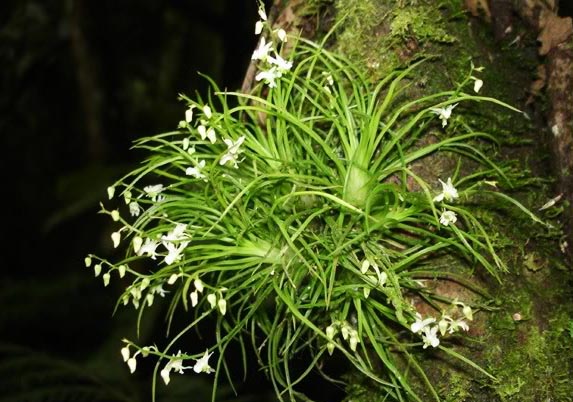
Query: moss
[[527, 339], [533, 364]]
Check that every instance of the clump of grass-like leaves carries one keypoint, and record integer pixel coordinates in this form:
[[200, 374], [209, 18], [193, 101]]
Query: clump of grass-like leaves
[[292, 215]]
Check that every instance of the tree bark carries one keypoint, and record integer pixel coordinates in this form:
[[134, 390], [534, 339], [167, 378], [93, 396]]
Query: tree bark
[[525, 338]]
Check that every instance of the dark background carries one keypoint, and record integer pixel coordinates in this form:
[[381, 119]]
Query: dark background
[[80, 80]]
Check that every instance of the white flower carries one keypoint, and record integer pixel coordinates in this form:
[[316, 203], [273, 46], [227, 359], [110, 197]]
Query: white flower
[[121, 270], [467, 312], [134, 208], [194, 298], [88, 261], [154, 191], [282, 35], [196, 170], [173, 278], [137, 242], [132, 364], [189, 114], [233, 151], [449, 192], [455, 325], [176, 234], [198, 285], [222, 304], [430, 337], [444, 113], [330, 347], [212, 299], [125, 353], [115, 237], [262, 52], [97, 269], [106, 277], [448, 217], [281, 63], [330, 331], [420, 324], [202, 365], [115, 215], [110, 192], [207, 111], [477, 85], [174, 251], [259, 27], [262, 14], [354, 341], [269, 76], [175, 364], [149, 247], [207, 133]]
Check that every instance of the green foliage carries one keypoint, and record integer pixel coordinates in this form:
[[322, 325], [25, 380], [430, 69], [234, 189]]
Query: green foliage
[[306, 231]]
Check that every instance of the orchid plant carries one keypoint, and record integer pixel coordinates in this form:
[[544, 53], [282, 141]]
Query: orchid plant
[[293, 215]]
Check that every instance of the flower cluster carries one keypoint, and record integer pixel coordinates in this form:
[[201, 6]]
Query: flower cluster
[[174, 364], [428, 328], [270, 63], [348, 334], [449, 193]]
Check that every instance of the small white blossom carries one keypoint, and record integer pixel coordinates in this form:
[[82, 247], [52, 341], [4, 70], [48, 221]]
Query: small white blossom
[[125, 353], [116, 238], [149, 298], [189, 114], [467, 312], [127, 196], [175, 364], [148, 248], [115, 215], [174, 251], [430, 337], [106, 277], [353, 341], [154, 191], [262, 51], [449, 192], [110, 192], [420, 324], [185, 144], [262, 14], [132, 364], [121, 270], [269, 77], [202, 365], [196, 170], [207, 111], [194, 298], [137, 242], [97, 269], [222, 304], [134, 209], [282, 35], [259, 27], [88, 261], [233, 151], [173, 278], [281, 63], [330, 331], [212, 299], [198, 285], [444, 113], [448, 218], [330, 347], [477, 85]]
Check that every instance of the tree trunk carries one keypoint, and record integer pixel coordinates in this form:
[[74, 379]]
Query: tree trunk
[[524, 333]]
